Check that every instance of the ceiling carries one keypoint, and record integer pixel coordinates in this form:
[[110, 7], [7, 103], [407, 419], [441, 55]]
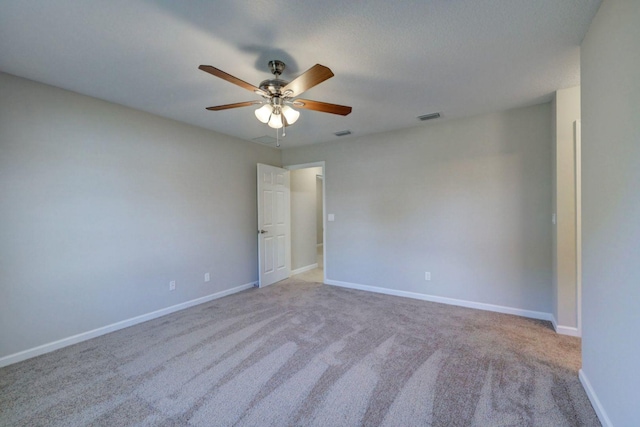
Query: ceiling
[[393, 61]]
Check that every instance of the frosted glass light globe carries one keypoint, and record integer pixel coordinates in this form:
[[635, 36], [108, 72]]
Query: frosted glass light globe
[[290, 114], [263, 113], [275, 121]]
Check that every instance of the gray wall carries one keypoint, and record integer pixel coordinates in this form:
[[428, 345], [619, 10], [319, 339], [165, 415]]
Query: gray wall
[[303, 217], [611, 209], [468, 200], [566, 112], [101, 206]]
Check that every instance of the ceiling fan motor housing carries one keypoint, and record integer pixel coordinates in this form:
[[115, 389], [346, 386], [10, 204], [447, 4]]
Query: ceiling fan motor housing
[[273, 86]]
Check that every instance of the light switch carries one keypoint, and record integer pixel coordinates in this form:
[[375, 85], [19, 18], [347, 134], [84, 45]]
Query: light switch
[[331, 217]]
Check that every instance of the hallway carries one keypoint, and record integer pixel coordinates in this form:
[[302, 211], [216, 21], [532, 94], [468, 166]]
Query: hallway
[[317, 274]]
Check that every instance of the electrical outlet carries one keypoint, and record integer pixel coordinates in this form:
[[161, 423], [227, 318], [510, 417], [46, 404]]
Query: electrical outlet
[[427, 275], [207, 277], [172, 285]]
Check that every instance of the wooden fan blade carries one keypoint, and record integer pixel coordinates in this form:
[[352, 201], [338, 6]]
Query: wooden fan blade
[[322, 106], [313, 76], [236, 105], [231, 79]]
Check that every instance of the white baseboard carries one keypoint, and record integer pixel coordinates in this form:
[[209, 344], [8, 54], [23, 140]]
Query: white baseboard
[[55, 345], [593, 398], [565, 330], [568, 330], [451, 301], [303, 269]]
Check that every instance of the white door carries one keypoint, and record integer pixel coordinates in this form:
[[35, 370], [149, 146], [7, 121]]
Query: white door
[[274, 244]]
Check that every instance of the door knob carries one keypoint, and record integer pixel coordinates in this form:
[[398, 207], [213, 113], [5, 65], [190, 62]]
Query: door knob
[[262, 231]]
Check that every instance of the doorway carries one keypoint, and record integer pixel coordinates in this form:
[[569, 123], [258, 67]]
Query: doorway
[[308, 243]]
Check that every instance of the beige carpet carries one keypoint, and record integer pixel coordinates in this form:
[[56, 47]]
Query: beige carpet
[[306, 354]]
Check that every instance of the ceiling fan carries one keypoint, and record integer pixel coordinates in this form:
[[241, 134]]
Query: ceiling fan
[[279, 95]]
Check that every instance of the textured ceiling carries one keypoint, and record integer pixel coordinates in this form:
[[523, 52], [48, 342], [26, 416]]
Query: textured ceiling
[[392, 61]]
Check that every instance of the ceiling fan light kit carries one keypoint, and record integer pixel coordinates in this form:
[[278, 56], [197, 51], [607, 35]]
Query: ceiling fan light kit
[[276, 110], [276, 115]]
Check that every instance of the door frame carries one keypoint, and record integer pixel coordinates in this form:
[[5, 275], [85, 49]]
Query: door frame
[[324, 207], [577, 132]]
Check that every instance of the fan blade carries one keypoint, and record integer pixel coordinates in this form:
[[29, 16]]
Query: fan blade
[[231, 79], [236, 105], [322, 106], [310, 78]]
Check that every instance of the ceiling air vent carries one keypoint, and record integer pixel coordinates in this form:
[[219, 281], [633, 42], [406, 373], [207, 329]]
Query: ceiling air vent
[[265, 139], [343, 133], [429, 117]]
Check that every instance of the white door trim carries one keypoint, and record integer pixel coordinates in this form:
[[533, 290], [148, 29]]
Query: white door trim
[[578, 183], [324, 207]]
